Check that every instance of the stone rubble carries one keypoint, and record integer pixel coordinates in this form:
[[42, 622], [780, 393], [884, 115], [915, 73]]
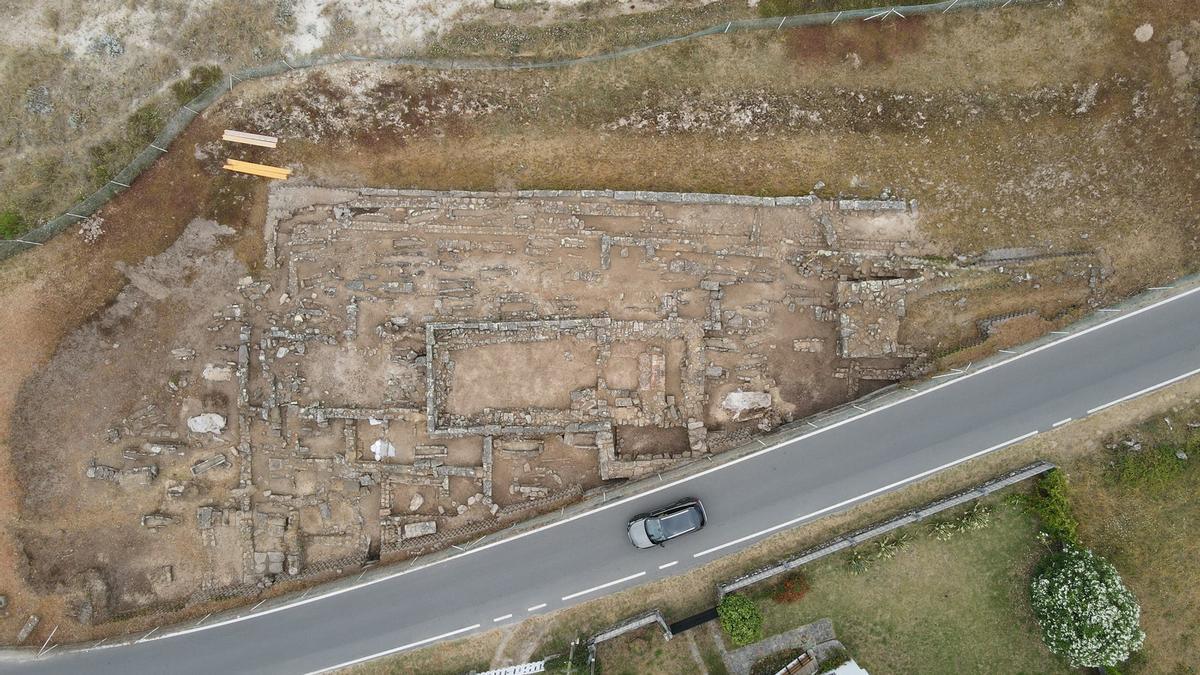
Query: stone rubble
[[330, 385]]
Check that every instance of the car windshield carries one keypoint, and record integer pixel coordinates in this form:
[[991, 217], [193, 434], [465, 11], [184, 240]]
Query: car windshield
[[677, 523], [654, 530]]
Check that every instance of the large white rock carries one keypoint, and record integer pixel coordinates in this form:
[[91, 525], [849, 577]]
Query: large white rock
[[1143, 33], [745, 403], [208, 423], [416, 502], [215, 373], [421, 529], [382, 448]]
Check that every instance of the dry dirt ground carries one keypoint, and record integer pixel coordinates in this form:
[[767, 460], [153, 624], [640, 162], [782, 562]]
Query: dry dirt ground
[[1050, 154]]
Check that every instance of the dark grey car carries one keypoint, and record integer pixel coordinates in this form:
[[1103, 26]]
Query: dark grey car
[[656, 528]]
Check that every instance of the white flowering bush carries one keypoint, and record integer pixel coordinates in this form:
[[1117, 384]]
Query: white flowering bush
[[1086, 613]]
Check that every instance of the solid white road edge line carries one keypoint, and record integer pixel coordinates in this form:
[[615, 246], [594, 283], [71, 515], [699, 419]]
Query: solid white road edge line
[[863, 496], [401, 648], [1147, 390], [670, 564], [667, 486], [606, 585]]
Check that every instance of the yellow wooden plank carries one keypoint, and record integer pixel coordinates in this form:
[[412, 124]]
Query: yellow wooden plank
[[238, 162], [252, 172], [259, 167], [255, 172]]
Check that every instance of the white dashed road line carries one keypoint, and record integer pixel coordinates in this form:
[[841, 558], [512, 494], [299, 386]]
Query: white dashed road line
[[498, 619], [401, 648], [863, 496], [670, 564], [1147, 390], [593, 589], [536, 607], [1060, 423]]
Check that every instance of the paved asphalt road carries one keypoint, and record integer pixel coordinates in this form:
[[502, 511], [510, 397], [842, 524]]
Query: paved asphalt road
[[553, 567]]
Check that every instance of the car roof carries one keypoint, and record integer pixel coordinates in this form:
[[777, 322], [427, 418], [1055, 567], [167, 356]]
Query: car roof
[[680, 521]]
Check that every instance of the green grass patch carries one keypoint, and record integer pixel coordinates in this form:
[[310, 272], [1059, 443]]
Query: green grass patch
[[198, 81], [833, 659], [941, 607], [569, 661], [12, 224], [108, 158], [775, 662], [645, 650], [1152, 468], [1146, 526]]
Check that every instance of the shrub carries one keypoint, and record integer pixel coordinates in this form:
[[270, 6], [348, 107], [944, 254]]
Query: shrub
[[12, 224], [1150, 468], [1086, 613], [792, 590], [198, 81], [943, 530], [977, 517], [774, 663], [741, 619], [1053, 508], [833, 659], [858, 561], [886, 549]]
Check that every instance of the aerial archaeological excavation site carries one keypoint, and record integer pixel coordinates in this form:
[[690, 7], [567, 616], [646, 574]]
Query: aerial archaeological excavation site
[[412, 369], [355, 292]]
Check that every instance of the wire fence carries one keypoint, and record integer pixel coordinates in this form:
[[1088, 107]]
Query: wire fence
[[192, 109]]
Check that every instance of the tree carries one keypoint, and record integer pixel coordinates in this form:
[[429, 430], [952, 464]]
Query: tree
[[1086, 613], [741, 619]]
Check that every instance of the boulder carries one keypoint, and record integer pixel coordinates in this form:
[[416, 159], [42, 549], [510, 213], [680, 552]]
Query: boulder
[[27, 630], [206, 423], [416, 502], [746, 404], [215, 373], [156, 520], [421, 529], [382, 448]]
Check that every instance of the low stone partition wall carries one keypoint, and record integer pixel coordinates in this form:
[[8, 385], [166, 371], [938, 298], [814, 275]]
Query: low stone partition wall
[[628, 625]]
